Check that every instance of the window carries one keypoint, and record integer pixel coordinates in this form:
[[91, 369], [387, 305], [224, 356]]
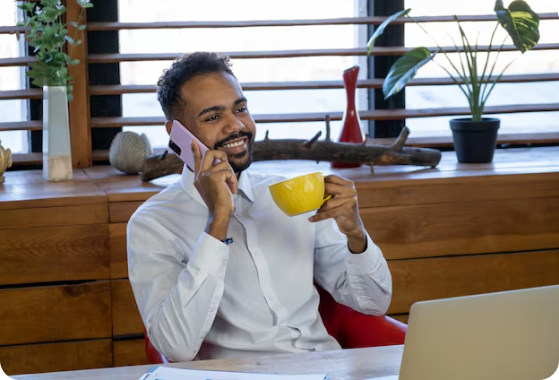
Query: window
[[533, 62], [248, 70], [12, 78]]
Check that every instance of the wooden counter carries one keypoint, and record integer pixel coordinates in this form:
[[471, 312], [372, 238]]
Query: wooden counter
[[65, 300]]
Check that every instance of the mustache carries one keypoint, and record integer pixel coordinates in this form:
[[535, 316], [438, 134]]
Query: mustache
[[236, 136]]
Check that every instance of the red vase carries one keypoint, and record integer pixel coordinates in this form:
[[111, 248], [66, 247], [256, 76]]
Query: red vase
[[351, 125]]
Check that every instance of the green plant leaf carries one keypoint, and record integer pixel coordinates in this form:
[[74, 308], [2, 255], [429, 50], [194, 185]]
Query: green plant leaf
[[380, 29], [520, 22], [69, 39], [28, 7], [81, 27], [404, 69], [75, 62]]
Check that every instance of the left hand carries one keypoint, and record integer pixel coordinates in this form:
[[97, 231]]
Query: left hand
[[344, 209]]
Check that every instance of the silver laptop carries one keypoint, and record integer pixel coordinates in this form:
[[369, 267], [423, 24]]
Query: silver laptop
[[498, 336]]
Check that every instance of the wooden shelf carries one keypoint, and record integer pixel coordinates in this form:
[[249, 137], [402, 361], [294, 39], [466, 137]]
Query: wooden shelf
[[30, 93]]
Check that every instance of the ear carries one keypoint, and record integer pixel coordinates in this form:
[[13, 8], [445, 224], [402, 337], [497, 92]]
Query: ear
[[168, 126]]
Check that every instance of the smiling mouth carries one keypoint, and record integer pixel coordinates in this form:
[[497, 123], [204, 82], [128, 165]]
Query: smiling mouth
[[235, 146]]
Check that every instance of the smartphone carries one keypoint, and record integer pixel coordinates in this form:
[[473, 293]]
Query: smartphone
[[179, 142]]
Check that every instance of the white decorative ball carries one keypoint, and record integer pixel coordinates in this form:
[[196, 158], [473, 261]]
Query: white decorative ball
[[128, 152]]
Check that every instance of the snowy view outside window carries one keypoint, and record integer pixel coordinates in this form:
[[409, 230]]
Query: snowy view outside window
[[300, 69]]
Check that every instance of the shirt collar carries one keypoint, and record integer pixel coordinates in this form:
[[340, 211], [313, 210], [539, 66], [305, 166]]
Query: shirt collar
[[187, 183]]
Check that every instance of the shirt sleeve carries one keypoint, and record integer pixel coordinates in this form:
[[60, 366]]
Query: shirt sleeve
[[178, 298], [360, 281]]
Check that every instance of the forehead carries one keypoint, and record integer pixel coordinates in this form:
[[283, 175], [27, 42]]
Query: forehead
[[212, 89]]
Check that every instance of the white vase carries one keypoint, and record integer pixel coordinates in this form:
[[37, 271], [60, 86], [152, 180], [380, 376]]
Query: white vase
[[57, 151]]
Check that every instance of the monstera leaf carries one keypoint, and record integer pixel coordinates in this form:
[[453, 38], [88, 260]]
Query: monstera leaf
[[404, 69], [380, 29], [521, 23]]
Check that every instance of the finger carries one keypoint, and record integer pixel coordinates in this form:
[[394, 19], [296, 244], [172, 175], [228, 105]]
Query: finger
[[224, 165], [210, 156], [196, 153], [228, 177], [332, 203], [335, 212], [338, 180], [338, 190]]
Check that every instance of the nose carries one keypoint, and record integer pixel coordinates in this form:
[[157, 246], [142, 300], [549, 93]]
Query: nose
[[233, 125]]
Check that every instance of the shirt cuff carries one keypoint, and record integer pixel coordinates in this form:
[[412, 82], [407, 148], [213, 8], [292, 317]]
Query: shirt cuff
[[365, 262], [210, 255]]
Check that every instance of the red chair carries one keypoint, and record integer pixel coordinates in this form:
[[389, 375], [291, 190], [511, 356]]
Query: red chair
[[350, 328]]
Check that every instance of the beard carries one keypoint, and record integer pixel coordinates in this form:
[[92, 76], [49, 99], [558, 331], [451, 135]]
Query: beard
[[239, 161]]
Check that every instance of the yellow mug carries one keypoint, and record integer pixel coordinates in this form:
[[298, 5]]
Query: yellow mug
[[300, 194]]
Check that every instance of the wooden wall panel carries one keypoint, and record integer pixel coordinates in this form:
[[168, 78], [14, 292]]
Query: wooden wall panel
[[451, 190], [117, 248], [436, 278], [464, 227], [54, 216], [129, 352], [53, 357], [55, 313], [126, 317], [401, 317], [122, 211], [54, 254]]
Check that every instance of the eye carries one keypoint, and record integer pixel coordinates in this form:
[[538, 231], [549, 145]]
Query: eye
[[242, 109], [212, 118]]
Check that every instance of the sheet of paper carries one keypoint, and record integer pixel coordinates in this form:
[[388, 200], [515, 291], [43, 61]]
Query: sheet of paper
[[167, 373]]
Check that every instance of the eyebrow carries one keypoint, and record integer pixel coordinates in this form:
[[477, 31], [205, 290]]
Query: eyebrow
[[220, 107]]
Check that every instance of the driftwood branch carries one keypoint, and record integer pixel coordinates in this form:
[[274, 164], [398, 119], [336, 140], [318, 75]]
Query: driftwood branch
[[315, 150]]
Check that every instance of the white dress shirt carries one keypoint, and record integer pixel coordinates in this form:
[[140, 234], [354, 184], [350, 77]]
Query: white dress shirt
[[200, 298]]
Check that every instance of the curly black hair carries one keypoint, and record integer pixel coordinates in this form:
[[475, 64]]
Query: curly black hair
[[181, 71]]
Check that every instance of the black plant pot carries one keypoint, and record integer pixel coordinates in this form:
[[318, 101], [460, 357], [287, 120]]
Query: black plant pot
[[474, 141]]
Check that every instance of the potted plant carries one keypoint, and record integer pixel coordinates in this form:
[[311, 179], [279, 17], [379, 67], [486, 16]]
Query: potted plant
[[474, 137], [46, 32]]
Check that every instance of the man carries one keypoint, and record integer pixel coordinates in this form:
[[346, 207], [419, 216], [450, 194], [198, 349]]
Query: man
[[201, 295]]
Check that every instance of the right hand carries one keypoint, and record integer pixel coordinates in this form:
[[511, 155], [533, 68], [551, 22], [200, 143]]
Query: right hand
[[216, 184]]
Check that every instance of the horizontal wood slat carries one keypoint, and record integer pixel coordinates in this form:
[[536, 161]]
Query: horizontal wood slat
[[33, 125], [54, 357], [126, 317], [30, 93], [17, 61], [117, 249], [54, 254], [54, 216], [27, 158], [376, 20], [93, 26], [268, 86], [379, 51], [129, 352], [122, 211], [447, 141], [473, 188], [319, 85], [110, 122], [55, 313], [427, 279], [510, 225]]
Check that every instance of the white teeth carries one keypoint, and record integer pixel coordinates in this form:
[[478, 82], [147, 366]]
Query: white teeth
[[233, 144]]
